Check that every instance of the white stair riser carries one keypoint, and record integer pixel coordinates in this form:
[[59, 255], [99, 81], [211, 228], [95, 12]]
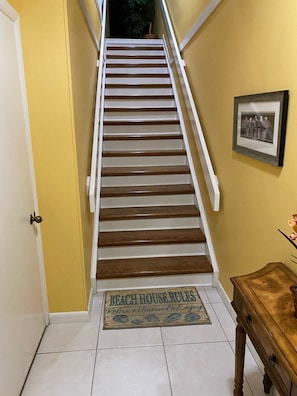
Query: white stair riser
[[144, 161], [141, 129], [139, 115], [137, 70], [155, 281], [134, 62], [149, 224], [134, 102], [144, 180], [135, 52], [137, 91], [178, 249], [171, 144], [137, 80], [155, 200]]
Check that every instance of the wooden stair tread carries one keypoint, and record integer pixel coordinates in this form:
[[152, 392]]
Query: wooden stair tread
[[145, 170], [142, 136], [164, 189], [137, 109], [150, 237], [134, 56], [141, 122], [129, 47], [143, 153], [148, 212], [137, 85], [138, 97], [136, 65], [136, 74], [153, 266]]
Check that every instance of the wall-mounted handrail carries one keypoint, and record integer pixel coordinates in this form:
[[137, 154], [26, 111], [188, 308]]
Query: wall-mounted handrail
[[95, 177], [209, 9], [99, 4], [89, 22], [93, 182], [209, 175]]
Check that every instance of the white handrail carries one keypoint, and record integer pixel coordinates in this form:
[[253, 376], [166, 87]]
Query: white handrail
[[210, 8], [89, 22], [204, 223], [209, 175], [98, 112]]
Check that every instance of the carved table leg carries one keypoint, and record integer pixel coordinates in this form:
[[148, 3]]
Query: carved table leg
[[267, 382], [239, 359]]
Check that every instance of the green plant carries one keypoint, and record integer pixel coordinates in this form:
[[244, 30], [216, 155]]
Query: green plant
[[139, 13]]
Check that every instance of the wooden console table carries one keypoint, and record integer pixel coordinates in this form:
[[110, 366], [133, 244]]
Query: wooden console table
[[265, 312]]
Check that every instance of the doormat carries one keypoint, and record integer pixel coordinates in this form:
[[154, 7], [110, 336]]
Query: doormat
[[178, 306]]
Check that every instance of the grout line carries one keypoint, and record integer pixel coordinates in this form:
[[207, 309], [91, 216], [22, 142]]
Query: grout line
[[94, 368], [67, 351], [166, 361]]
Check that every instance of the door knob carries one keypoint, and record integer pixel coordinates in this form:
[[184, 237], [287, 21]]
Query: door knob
[[37, 219]]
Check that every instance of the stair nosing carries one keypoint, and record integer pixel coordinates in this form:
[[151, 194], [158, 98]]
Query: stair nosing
[[128, 47], [150, 237], [156, 190], [139, 108], [144, 136], [135, 65], [148, 212], [144, 153], [136, 75], [134, 56], [109, 171], [131, 85], [152, 266], [139, 97], [141, 122]]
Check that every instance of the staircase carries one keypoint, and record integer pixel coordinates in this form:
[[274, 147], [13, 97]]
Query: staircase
[[149, 227]]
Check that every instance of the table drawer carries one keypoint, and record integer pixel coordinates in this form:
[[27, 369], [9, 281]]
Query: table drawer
[[264, 344]]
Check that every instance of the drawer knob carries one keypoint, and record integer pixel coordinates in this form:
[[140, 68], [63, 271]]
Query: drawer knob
[[248, 319], [272, 360]]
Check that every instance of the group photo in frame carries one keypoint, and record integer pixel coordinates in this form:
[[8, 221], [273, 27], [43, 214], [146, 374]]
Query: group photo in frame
[[259, 128]]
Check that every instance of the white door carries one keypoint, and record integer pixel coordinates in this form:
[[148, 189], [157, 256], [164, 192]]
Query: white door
[[22, 302]]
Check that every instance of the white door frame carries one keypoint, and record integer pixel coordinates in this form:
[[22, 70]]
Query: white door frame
[[8, 10]]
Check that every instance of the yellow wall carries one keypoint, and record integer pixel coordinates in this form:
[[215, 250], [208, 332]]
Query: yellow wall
[[59, 83], [186, 14], [93, 14], [83, 58], [244, 48]]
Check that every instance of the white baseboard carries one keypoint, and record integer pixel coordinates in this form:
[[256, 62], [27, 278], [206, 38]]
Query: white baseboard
[[226, 300], [72, 317], [69, 317], [90, 299]]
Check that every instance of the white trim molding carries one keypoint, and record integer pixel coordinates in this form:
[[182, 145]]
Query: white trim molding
[[69, 317], [209, 9], [72, 317]]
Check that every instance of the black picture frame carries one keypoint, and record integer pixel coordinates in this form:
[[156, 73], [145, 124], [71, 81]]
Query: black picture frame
[[259, 128]]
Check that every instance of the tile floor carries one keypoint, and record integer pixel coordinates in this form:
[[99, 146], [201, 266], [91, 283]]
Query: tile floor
[[81, 359]]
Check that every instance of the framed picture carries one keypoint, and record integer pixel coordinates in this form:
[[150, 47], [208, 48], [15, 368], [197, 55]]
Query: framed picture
[[259, 129]]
